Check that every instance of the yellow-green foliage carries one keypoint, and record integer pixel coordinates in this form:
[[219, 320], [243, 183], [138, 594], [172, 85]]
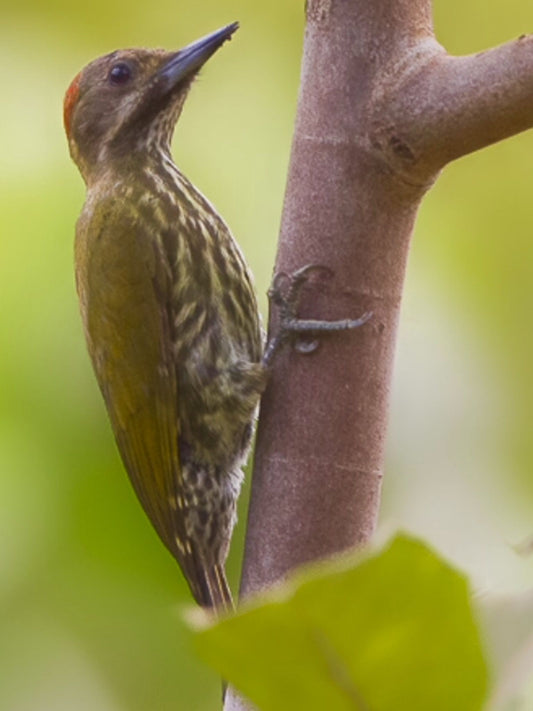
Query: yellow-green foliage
[[394, 632]]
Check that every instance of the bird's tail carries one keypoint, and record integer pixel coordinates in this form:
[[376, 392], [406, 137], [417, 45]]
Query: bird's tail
[[212, 590]]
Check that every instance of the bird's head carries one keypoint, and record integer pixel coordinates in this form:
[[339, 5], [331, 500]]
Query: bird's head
[[129, 101]]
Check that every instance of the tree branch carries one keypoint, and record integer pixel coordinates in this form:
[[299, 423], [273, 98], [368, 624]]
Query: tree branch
[[381, 109], [441, 108]]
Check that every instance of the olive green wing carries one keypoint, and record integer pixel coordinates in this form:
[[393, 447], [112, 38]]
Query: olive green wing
[[124, 285]]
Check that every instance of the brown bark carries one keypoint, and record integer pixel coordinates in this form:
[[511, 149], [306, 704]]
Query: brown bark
[[382, 108]]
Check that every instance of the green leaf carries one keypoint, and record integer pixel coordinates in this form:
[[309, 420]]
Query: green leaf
[[394, 632]]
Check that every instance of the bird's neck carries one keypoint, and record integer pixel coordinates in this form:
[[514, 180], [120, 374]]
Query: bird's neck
[[130, 168], [150, 181]]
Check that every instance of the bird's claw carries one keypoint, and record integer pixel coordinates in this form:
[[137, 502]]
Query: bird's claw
[[292, 283], [285, 293]]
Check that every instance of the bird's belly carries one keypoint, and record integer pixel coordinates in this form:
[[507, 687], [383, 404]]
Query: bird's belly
[[217, 412]]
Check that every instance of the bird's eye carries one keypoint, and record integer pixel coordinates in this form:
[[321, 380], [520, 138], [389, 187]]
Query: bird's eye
[[120, 73]]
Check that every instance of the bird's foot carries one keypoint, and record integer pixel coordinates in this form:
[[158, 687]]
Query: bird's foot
[[285, 295]]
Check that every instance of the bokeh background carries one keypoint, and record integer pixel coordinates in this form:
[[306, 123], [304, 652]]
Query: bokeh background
[[90, 602]]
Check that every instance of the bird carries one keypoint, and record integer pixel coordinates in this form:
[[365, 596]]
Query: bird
[[168, 306]]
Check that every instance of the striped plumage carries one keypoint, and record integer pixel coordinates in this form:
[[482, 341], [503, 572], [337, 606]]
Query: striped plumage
[[168, 307]]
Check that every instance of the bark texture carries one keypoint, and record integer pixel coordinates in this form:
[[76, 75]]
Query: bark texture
[[382, 108]]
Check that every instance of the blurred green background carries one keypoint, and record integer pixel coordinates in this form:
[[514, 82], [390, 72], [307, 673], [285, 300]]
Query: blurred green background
[[90, 602]]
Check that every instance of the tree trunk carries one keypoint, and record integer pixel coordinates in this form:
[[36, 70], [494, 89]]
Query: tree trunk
[[382, 108]]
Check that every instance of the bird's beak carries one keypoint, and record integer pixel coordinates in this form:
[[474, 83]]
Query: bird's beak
[[189, 59]]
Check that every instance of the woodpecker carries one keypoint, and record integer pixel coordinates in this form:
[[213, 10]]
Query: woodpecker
[[168, 307]]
